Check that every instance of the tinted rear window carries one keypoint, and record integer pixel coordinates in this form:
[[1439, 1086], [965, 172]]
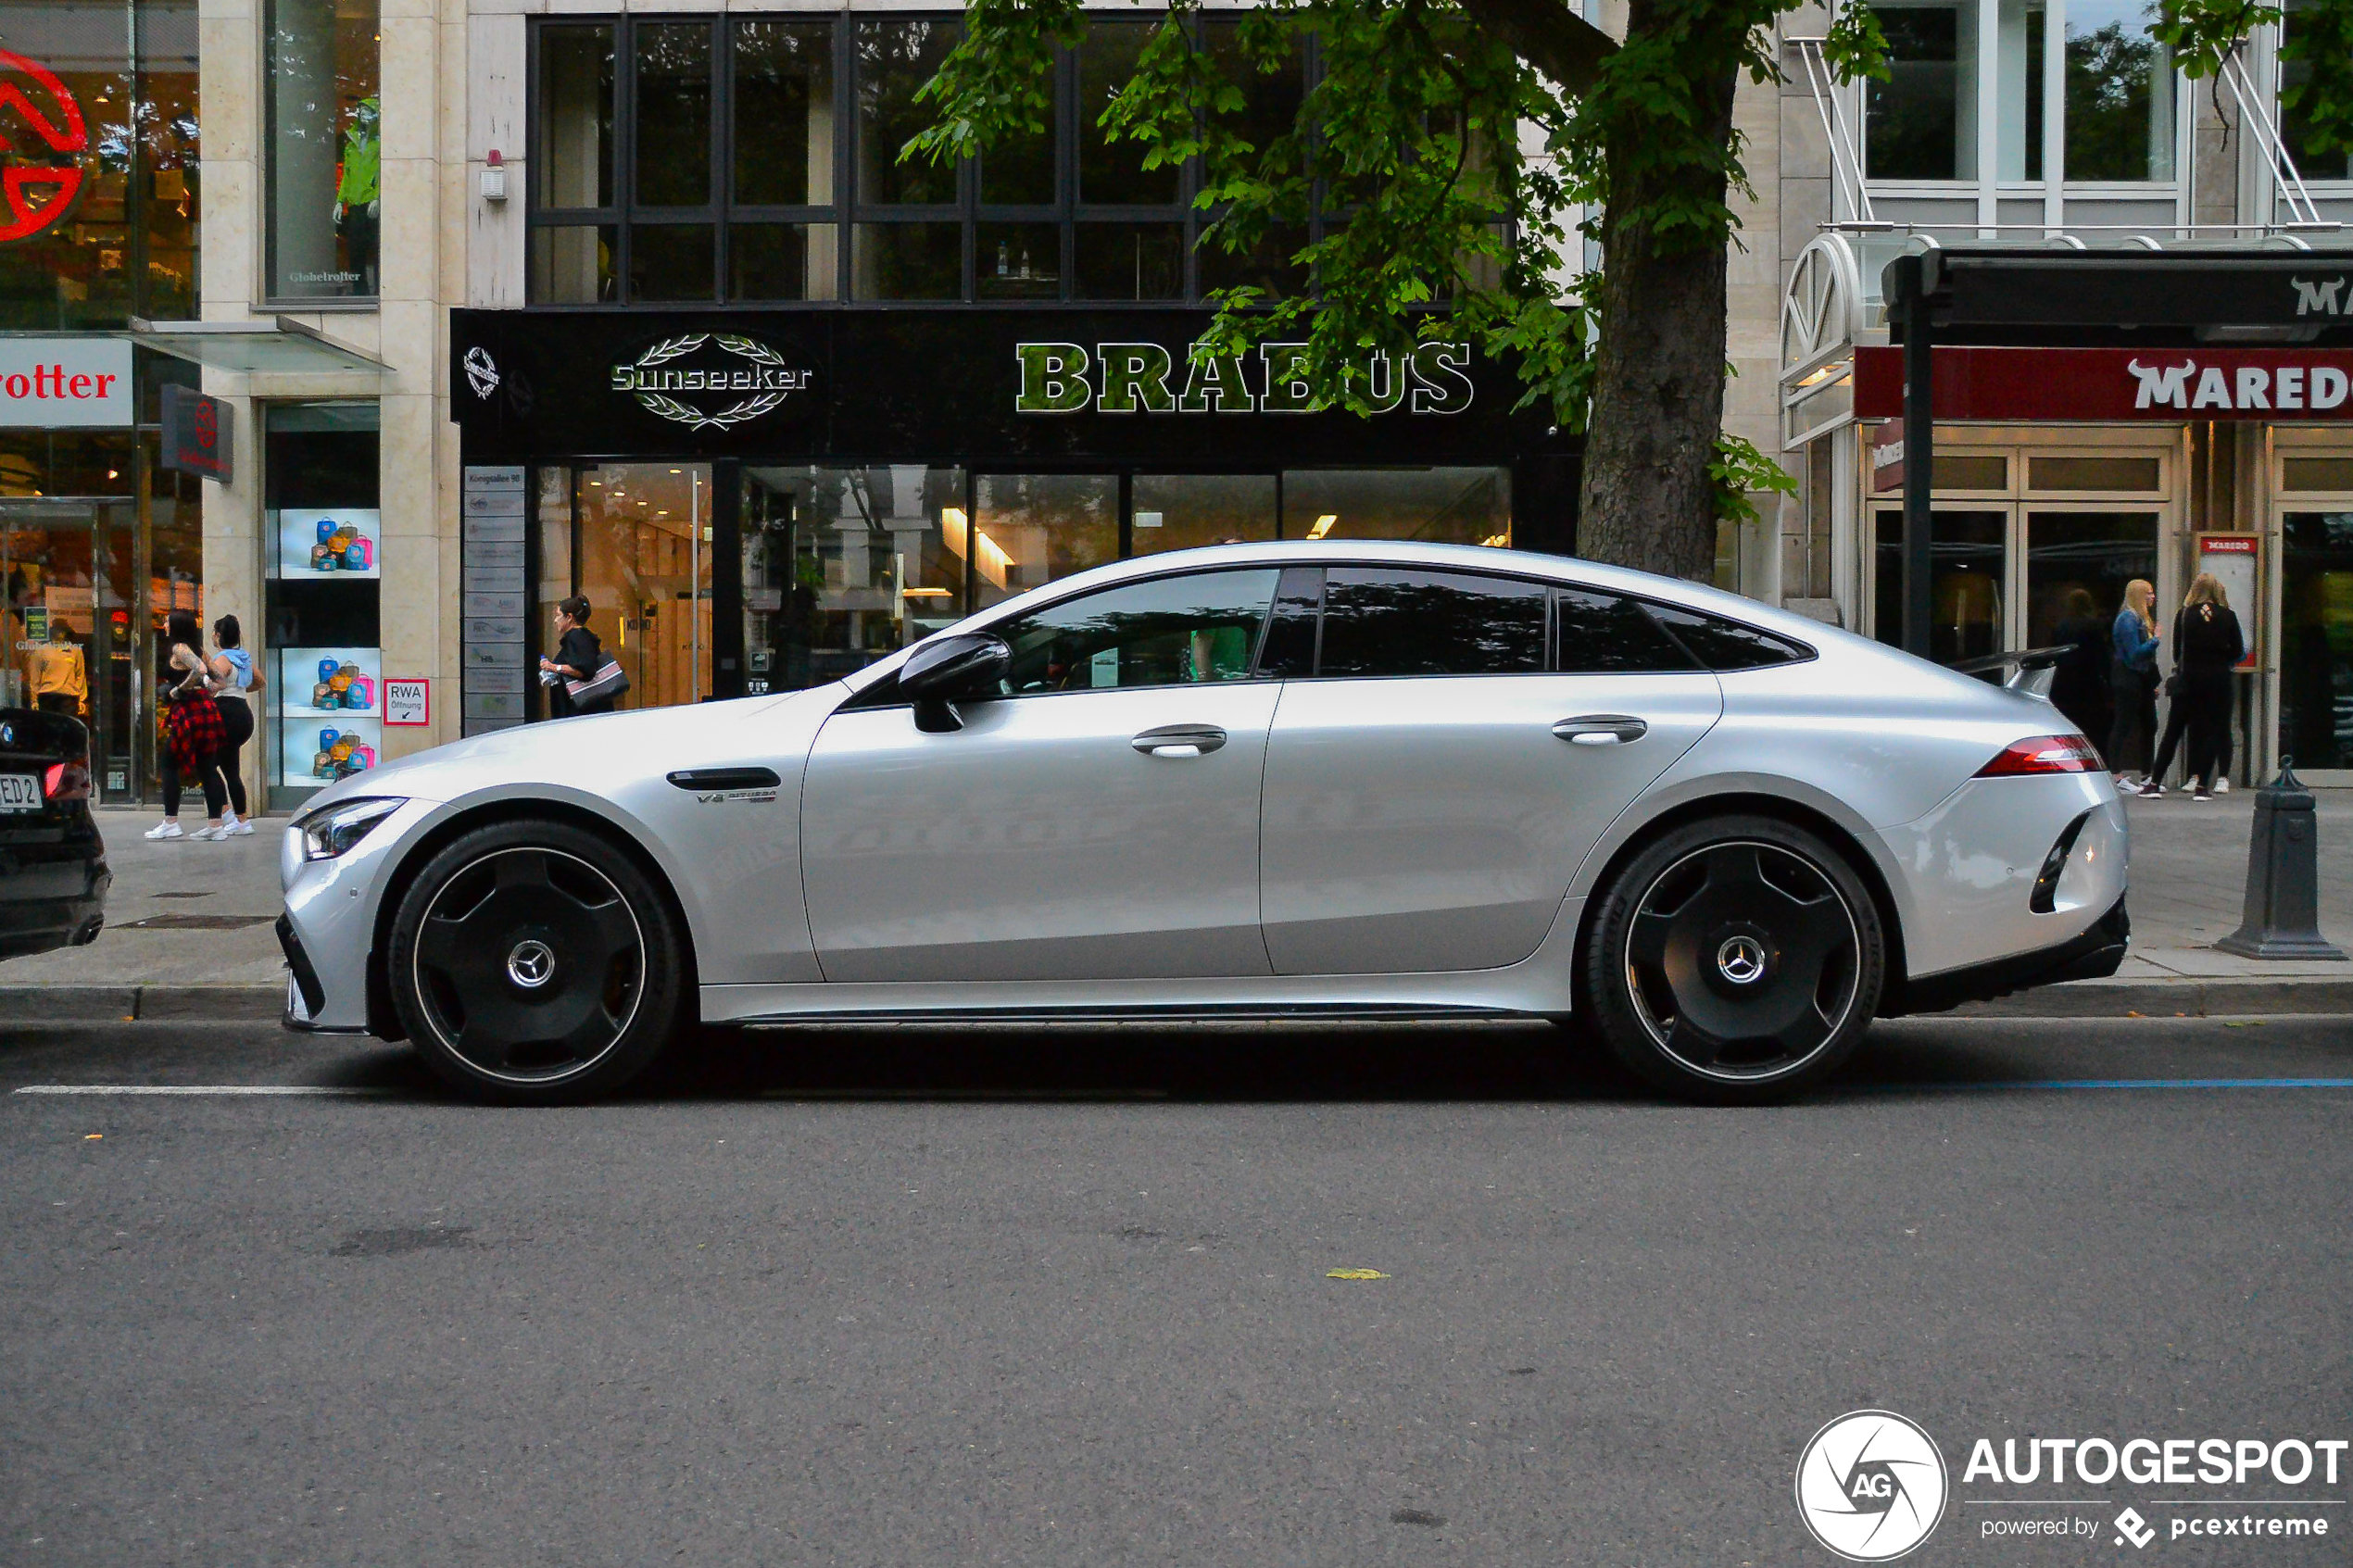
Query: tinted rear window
[[1602, 635], [1383, 620], [1727, 645]]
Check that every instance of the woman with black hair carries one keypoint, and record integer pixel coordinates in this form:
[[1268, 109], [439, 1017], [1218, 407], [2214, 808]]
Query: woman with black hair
[[578, 656], [232, 676], [191, 730]]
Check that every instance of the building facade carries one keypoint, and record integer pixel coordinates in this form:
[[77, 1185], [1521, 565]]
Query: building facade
[[506, 299]]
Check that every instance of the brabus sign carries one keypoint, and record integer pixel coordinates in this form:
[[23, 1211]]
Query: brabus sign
[[1150, 377], [747, 377], [2117, 385]]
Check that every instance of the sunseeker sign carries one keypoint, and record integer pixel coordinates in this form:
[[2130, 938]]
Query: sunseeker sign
[[1150, 377], [2288, 385]]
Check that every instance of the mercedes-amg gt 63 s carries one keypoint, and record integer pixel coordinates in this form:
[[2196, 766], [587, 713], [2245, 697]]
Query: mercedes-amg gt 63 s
[[1311, 779]]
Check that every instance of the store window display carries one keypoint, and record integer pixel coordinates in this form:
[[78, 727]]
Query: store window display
[[325, 152]]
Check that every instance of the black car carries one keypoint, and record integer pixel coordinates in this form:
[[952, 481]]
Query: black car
[[53, 864]]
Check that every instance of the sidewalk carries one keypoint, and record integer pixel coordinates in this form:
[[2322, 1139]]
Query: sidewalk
[[188, 928]]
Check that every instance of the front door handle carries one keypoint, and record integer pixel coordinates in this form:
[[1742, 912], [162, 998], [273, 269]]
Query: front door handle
[[1179, 740], [1601, 729]]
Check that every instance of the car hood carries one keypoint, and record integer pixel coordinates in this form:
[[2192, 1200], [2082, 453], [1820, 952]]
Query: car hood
[[596, 752]]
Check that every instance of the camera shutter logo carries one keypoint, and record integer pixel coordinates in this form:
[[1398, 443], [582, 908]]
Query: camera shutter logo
[[1871, 1485]]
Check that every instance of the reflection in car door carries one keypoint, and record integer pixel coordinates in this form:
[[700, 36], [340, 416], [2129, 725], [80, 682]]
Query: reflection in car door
[[1077, 828], [1431, 793]]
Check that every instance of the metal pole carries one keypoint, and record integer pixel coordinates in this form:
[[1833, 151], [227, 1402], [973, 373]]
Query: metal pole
[[1920, 454]]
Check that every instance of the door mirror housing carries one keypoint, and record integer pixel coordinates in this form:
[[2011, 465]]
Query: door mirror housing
[[944, 671]]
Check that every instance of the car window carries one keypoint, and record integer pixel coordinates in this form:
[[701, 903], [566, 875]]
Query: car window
[[1727, 645], [1604, 634], [1388, 621], [1163, 632]]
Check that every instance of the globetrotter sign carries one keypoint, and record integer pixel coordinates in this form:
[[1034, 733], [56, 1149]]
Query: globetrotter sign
[[2116, 385], [1149, 378]]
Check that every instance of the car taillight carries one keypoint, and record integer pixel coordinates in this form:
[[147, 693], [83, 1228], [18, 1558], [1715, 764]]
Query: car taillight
[[67, 781], [2043, 754]]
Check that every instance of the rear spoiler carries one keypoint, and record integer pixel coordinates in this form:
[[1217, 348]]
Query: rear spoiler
[[2023, 670]]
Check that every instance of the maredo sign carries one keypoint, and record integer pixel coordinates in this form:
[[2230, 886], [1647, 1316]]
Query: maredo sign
[[2116, 385]]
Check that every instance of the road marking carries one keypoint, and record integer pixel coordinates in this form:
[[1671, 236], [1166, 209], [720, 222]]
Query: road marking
[[280, 1091], [2124, 1084]]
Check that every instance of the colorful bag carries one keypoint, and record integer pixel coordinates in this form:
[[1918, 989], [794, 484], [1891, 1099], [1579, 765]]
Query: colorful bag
[[609, 682]]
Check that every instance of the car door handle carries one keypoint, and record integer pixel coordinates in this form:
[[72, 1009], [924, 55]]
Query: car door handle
[[1179, 740], [1601, 729]]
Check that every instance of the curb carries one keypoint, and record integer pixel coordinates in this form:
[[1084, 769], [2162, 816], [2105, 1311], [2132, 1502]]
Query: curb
[[2076, 999], [125, 1004]]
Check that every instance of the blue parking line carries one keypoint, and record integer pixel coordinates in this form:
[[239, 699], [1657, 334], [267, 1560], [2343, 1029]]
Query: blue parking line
[[2131, 1084]]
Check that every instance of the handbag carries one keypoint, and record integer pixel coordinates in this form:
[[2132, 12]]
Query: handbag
[[609, 680], [2173, 684]]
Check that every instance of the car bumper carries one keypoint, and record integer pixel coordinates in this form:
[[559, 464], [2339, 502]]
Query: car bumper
[[328, 931], [2094, 955]]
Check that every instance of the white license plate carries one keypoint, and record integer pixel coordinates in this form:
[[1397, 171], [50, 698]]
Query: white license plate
[[19, 792]]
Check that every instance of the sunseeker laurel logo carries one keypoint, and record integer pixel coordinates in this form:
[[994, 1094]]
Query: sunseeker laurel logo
[[1871, 1485], [753, 369]]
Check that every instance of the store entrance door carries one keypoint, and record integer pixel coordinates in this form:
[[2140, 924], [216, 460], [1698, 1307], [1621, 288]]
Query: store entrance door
[[72, 637], [1968, 580], [646, 558]]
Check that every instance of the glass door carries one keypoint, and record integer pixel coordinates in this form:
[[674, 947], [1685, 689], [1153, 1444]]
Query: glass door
[[2316, 639], [644, 561], [1969, 580], [73, 645]]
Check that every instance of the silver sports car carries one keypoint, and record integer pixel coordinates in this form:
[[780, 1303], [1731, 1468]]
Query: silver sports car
[[1322, 778]]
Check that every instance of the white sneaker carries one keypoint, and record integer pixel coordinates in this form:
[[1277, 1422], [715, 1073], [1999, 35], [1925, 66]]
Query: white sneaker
[[165, 830], [209, 834], [2223, 787], [242, 828]]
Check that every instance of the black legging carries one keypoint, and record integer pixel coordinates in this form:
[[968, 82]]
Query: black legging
[[208, 779], [2127, 743], [2202, 707], [236, 724]]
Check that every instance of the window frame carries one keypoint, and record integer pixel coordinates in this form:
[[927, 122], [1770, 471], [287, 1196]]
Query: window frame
[[848, 211]]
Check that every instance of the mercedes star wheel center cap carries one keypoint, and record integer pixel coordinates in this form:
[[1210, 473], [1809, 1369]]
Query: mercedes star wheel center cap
[[1740, 959], [531, 964]]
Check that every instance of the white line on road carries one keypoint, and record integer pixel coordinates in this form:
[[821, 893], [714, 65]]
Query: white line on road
[[301, 1091]]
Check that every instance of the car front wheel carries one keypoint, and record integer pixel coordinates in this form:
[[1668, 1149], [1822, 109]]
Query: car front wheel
[[1737, 960], [535, 963]]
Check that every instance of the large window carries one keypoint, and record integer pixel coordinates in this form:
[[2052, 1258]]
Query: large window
[[2112, 91], [100, 227], [2296, 121], [757, 158], [325, 150]]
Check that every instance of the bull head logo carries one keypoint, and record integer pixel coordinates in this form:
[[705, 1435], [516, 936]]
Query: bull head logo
[[59, 125]]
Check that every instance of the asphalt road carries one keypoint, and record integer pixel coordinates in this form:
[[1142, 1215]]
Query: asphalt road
[[898, 1297]]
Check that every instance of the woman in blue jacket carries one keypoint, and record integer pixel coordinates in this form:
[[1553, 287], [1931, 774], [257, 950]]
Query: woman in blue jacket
[[2132, 675]]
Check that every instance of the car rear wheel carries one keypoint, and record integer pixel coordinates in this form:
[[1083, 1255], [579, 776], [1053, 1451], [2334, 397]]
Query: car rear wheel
[[1737, 960], [535, 963]]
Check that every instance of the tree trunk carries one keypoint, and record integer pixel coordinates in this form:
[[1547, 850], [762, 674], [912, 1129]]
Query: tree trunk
[[1658, 387]]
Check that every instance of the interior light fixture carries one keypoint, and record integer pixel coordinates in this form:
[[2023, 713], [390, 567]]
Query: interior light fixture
[[952, 525], [1322, 525], [1496, 541], [924, 593]]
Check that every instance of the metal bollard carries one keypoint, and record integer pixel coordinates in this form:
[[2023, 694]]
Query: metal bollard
[[2283, 877]]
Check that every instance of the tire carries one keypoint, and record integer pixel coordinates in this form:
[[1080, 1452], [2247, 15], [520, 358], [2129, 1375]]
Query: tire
[[535, 963], [1735, 962]]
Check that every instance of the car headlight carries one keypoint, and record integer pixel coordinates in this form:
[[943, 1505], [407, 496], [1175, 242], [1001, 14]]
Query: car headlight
[[334, 831]]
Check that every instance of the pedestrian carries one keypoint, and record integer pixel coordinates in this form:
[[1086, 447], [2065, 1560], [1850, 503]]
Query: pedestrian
[[579, 656], [60, 681], [2079, 684], [232, 676], [2132, 679], [192, 731], [2207, 644]]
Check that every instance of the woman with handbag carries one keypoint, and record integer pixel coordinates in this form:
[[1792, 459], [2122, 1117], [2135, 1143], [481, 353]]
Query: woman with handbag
[[581, 677], [2131, 674], [2207, 644], [192, 733]]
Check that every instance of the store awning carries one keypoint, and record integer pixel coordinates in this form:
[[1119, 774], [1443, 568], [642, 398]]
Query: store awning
[[280, 345]]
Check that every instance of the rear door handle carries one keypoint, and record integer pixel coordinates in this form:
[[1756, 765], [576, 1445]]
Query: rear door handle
[[1601, 729], [1179, 740]]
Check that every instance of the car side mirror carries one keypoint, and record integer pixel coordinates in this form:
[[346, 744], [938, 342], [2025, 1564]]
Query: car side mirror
[[945, 671]]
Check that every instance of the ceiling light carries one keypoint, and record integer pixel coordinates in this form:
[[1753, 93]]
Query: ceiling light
[[1322, 525], [922, 593]]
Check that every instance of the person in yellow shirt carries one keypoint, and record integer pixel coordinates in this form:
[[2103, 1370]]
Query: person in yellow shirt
[[59, 681]]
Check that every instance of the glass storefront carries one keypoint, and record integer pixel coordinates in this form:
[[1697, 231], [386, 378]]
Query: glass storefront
[[1966, 585], [323, 553], [2316, 639]]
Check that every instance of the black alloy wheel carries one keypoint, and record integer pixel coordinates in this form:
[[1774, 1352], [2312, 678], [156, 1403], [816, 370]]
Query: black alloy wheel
[[535, 963], [1736, 959]]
